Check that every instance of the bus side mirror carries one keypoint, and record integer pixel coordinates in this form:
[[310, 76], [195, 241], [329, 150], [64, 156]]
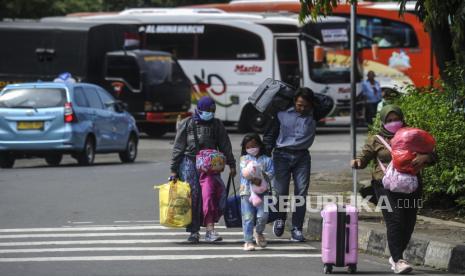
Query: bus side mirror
[[318, 54], [375, 50]]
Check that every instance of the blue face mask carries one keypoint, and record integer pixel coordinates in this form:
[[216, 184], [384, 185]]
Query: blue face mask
[[206, 116]]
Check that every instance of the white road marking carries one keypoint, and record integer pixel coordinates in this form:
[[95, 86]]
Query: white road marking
[[36, 243], [179, 248], [113, 234], [155, 257]]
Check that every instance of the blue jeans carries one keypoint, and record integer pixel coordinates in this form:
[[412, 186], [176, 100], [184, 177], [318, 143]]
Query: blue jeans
[[252, 216], [296, 164]]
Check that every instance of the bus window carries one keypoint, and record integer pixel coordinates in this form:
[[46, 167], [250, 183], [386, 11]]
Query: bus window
[[180, 45], [387, 33], [288, 61], [125, 68], [335, 67], [229, 43]]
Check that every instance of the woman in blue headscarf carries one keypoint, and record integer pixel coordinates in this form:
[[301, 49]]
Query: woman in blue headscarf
[[211, 134]]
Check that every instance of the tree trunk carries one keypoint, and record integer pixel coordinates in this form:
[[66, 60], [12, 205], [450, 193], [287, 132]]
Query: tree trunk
[[442, 46]]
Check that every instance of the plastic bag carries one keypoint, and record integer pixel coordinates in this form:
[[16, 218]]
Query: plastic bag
[[399, 182], [402, 161], [210, 161], [406, 143], [414, 140], [175, 204]]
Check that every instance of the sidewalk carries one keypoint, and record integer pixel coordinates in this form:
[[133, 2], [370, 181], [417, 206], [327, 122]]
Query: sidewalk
[[435, 243]]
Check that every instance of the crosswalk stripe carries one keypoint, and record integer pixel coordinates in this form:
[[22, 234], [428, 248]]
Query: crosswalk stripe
[[120, 234], [179, 248], [155, 257], [139, 241], [94, 228]]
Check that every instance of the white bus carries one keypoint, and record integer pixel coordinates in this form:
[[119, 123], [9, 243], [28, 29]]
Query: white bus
[[228, 55]]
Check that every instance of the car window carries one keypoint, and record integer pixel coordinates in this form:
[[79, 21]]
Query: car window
[[79, 97], [107, 100], [33, 98], [92, 98]]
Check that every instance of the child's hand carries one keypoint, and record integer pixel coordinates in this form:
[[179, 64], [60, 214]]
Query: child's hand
[[256, 181]]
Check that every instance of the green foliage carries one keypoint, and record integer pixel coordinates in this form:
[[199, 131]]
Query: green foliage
[[440, 111], [435, 13]]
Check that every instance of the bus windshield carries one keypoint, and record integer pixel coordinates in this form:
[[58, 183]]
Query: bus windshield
[[334, 38], [335, 67]]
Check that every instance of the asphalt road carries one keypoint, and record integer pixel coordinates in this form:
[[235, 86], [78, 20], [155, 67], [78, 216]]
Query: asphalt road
[[103, 220]]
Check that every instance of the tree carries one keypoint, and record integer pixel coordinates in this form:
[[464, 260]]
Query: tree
[[444, 20]]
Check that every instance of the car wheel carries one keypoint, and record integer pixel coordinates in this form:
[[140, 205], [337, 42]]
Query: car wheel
[[54, 159], [7, 161], [87, 155], [130, 154]]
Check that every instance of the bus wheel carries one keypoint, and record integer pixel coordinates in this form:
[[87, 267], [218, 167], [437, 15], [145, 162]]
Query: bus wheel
[[254, 121], [155, 131]]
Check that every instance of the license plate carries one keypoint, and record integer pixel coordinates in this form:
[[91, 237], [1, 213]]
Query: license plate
[[35, 125]]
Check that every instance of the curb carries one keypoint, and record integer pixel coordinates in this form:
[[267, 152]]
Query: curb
[[420, 251]]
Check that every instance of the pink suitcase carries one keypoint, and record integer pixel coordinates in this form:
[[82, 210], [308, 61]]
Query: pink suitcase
[[339, 239]]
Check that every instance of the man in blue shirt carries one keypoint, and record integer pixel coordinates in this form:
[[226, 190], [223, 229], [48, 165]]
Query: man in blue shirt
[[371, 90], [290, 134]]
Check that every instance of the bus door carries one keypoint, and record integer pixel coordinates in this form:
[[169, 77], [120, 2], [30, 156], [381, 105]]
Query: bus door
[[288, 60]]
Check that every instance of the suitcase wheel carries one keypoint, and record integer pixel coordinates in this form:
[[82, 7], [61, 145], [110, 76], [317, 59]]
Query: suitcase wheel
[[351, 269], [327, 269]]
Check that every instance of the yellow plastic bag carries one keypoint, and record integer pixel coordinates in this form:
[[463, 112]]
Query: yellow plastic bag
[[175, 204]]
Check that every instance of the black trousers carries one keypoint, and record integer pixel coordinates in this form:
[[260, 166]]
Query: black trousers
[[370, 112], [400, 214]]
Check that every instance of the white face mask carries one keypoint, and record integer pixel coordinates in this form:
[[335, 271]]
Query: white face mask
[[253, 151]]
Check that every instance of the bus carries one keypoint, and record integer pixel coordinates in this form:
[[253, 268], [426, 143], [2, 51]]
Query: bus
[[228, 55], [151, 83], [405, 53]]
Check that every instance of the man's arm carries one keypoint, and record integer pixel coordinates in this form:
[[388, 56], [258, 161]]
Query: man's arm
[[322, 106], [271, 135]]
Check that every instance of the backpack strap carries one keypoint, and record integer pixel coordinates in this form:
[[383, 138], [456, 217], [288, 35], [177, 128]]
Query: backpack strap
[[196, 136], [381, 139]]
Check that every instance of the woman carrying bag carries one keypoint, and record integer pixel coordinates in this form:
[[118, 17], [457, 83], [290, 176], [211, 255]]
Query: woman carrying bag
[[197, 133], [400, 208]]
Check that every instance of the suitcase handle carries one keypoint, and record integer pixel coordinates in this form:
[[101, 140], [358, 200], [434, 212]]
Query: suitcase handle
[[347, 239]]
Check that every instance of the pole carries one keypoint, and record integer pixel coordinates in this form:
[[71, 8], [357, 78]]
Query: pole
[[353, 86]]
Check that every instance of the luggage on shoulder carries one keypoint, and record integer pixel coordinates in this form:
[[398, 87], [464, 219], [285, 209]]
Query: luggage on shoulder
[[339, 238], [272, 96]]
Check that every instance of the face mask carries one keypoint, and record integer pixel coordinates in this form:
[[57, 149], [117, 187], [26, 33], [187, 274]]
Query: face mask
[[253, 151], [206, 116], [393, 127]]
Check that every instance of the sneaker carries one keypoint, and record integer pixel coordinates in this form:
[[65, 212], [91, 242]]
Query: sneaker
[[402, 267], [212, 236], [297, 236], [260, 240], [393, 264], [194, 237], [278, 227], [248, 246]]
